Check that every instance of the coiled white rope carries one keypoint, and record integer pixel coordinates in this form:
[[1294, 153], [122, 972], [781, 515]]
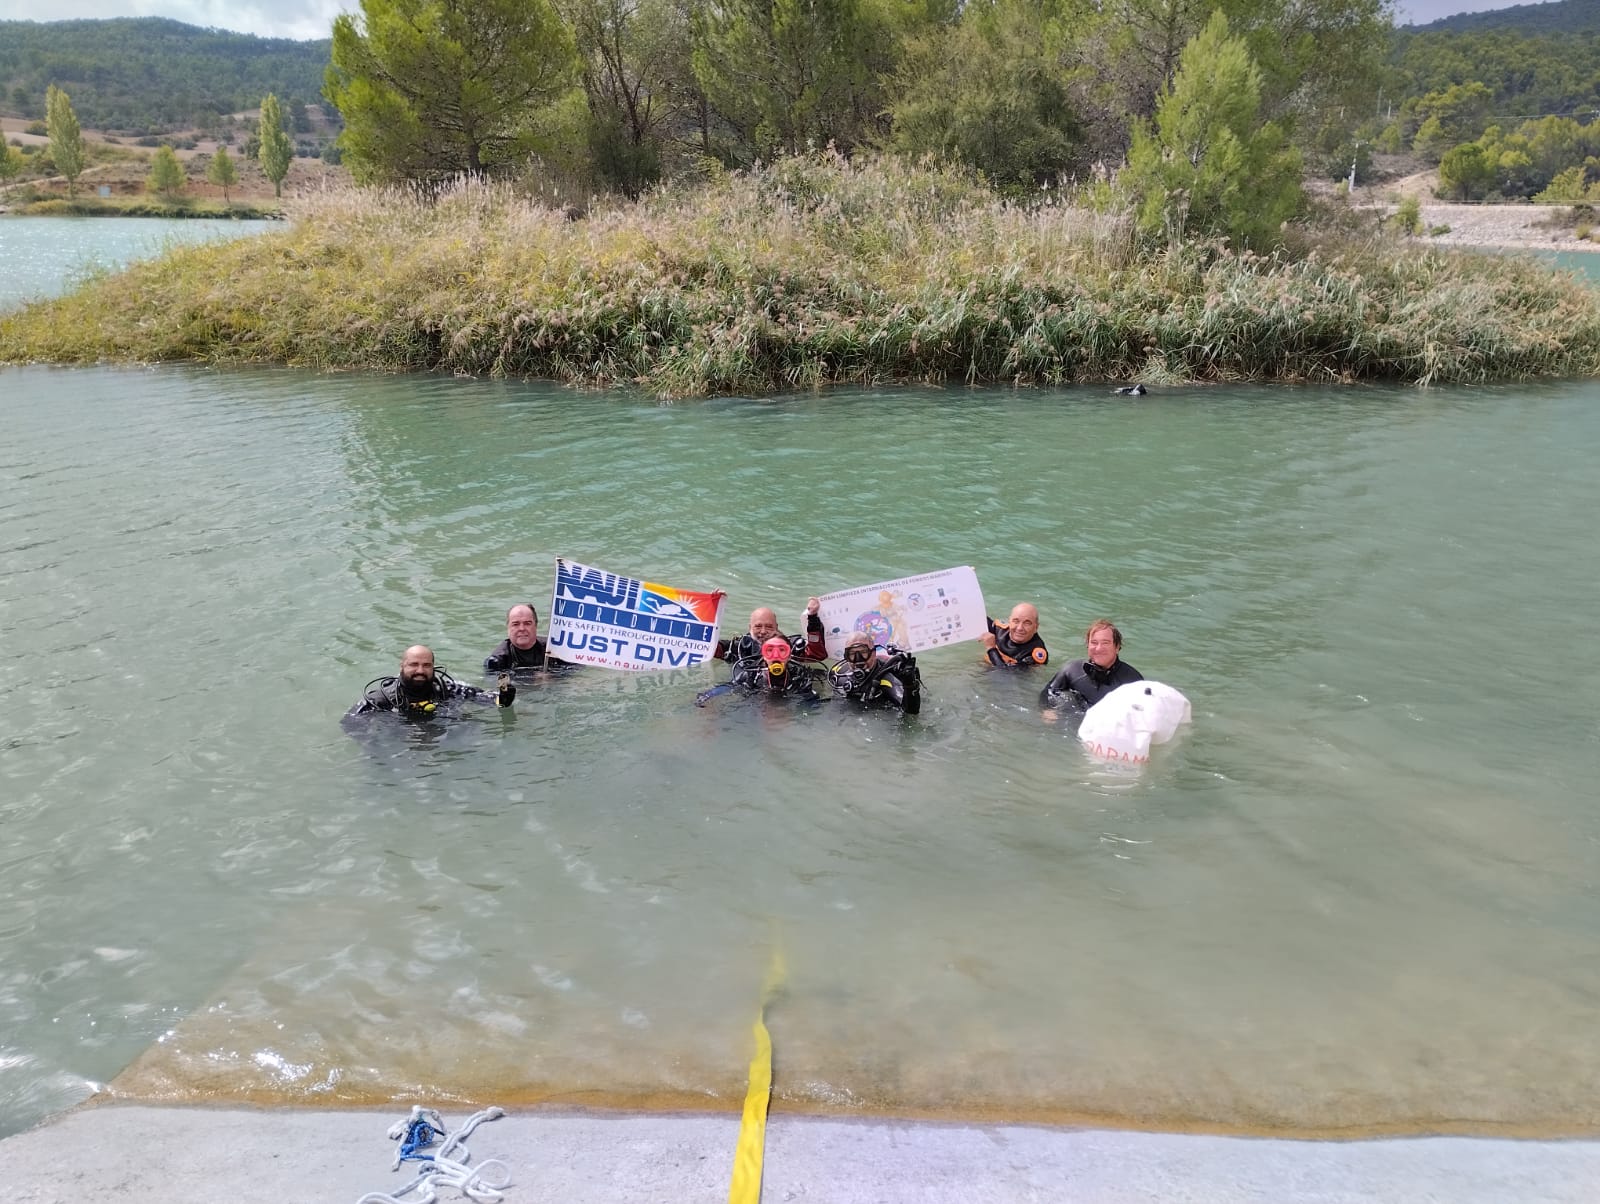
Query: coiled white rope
[[482, 1184]]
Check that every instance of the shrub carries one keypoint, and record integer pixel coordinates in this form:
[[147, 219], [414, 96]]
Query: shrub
[[1408, 215]]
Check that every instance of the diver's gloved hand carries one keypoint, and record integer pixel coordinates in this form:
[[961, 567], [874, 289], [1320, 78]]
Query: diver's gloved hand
[[704, 697], [507, 693]]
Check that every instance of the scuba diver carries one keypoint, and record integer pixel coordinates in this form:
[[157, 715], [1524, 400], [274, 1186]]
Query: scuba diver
[[1015, 644], [764, 626], [873, 678], [420, 689], [773, 671], [1084, 683], [522, 648]]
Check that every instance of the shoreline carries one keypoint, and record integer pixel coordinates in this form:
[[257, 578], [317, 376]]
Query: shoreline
[[603, 1103], [135, 1153]]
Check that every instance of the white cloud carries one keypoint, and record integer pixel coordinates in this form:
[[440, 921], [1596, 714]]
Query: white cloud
[[303, 19]]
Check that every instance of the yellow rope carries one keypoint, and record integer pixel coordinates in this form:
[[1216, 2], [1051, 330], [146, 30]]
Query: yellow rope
[[745, 1187]]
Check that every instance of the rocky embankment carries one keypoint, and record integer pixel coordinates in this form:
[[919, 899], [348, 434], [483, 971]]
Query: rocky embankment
[[1518, 225], [1525, 226]]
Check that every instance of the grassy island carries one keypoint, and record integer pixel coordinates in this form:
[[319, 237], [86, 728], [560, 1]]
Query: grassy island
[[809, 272]]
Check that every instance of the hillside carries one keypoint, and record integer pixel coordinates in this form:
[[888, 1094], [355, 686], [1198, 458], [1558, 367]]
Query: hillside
[[151, 75], [1530, 20]]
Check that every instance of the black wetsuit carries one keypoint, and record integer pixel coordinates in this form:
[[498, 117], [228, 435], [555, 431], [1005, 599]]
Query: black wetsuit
[[894, 681], [811, 646], [391, 694], [507, 656], [795, 681], [1086, 683], [1008, 654]]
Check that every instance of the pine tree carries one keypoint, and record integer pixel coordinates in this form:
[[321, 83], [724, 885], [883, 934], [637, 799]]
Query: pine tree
[[276, 149], [66, 139], [1208, 166], [166, 173], [432, 88], [221, 172], [786, 73]]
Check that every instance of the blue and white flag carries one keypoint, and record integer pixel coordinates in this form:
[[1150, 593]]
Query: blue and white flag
[[616, 622]]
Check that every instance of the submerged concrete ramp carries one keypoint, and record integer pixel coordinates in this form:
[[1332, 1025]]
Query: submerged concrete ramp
[[136, 1154]]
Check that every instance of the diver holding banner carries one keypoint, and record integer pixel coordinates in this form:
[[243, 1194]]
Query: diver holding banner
[[774, 672], [764, 626]]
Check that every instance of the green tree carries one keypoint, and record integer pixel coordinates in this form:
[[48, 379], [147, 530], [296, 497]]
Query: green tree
[[276, 150], [1466, 172], [1458, 114], [1568, 185], [1556, 143], [785, 73], [432, 88], [10, 164], [987, 93], [1208, 166], [166, 173], [221, 172], [636, 79], [1318, 59], [66, 139]]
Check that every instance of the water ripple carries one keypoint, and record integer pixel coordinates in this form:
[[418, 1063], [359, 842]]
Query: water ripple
[[1285, 917]]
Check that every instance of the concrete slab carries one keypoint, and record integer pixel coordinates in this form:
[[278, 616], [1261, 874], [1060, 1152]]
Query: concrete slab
[[134, 1154]]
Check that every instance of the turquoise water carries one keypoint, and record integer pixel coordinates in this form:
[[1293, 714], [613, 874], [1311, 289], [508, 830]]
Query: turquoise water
[[1584, 264], [1358, 892], [39, 256]]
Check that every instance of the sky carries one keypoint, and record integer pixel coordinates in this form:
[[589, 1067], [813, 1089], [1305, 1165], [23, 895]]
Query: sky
[[303, 19], [314, 18], [1420, 12]]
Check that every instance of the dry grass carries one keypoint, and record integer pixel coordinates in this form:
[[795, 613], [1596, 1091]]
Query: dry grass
[[809, 272]]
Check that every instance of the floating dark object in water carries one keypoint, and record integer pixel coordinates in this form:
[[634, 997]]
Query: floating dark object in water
[[1130, 391]]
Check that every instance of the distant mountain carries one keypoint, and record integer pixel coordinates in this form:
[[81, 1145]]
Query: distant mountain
[[149, 74], [1530, 20]]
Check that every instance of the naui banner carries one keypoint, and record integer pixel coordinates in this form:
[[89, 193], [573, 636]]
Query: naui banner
[[615, 622]]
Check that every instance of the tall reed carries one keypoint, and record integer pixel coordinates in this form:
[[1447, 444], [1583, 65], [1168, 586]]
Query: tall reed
[[811, 271]]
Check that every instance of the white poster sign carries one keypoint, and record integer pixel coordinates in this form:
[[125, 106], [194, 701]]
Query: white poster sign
[[914, 613]]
